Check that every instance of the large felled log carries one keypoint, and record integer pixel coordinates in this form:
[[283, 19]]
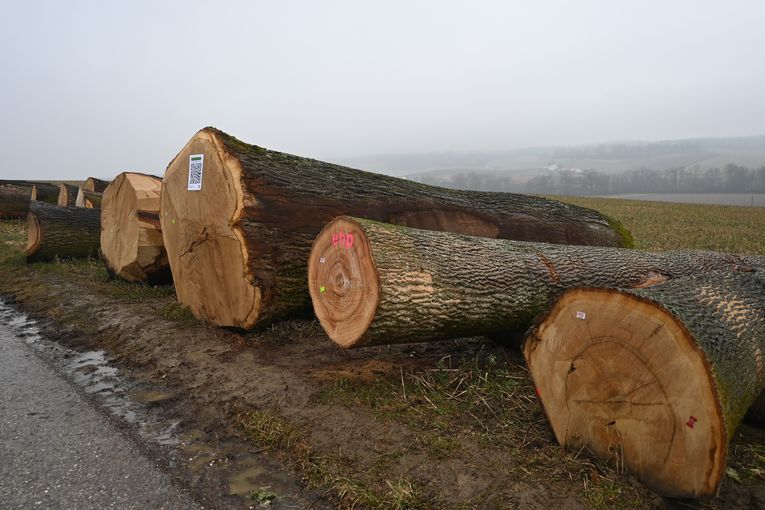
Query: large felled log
[[45, 192], [67, 195], [95, 185], [14, 200], [656, 379], [376, 283], [238, 230], [131, 236], [88, 199], [63, 232]]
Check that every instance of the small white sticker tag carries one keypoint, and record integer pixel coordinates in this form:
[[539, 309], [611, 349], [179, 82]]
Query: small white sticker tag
[[322, 260], [196, 166], [581, 315]]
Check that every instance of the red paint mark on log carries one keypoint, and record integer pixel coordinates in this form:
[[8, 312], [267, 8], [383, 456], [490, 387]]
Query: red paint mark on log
[[342, 239], [691, 421]]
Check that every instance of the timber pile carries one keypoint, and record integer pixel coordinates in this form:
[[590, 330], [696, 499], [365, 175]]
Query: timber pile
[[658, 378], [45, 192], [14, 200], [61, 232], [67, 195], [88, 199], [374, 283], [131, 235], [95, 185], [238, 222]]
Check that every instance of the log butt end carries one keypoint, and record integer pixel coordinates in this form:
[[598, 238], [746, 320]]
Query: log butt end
[[131, 238], [619, 375], [205, 243], [343, 281], [34, 236]]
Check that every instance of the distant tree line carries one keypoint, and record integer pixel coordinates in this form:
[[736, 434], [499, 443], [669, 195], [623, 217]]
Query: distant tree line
[[730, 179]]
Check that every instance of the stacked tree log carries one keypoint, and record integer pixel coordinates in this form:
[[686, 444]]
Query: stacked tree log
[[61, 232], [131, 235], [67, 195], [14, 199], [91, 192], [375, 283], [95, 185], [88, 199], [658, 378], [239, 220], [45, 192]]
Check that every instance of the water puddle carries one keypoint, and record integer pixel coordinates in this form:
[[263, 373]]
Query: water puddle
[[247, 476]]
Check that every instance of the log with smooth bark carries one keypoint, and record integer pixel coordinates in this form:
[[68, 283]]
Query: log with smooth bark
[[376, 283], [61, 232], [655, 379], [238, 242], [14, 200], [131, 236], [88, 199], [45, 192], [67, 194], [96, 185]]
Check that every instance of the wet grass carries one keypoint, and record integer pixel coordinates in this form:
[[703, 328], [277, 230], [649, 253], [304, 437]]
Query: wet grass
[[485, 398], [91, 272], [661, 226], [348, 488]]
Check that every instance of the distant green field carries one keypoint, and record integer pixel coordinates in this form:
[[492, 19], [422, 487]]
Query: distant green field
[[670, 226]]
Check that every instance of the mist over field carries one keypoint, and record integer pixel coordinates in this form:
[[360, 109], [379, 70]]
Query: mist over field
[[710, 165]]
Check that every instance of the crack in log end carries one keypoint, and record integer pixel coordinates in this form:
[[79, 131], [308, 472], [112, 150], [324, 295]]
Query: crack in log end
[[201, 238], [550, 268], [650, 279], [629, 400]]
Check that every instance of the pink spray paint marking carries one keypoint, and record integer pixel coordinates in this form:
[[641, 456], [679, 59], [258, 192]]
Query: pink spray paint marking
[[691, 421], [342, 239]]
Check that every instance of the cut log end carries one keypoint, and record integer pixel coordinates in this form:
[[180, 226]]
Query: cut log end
[[34, 235], [131, 240], [205, 245], [343, 281], [619, 375]]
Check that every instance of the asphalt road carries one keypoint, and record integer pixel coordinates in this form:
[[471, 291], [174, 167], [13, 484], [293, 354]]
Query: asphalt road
[[57, 451]]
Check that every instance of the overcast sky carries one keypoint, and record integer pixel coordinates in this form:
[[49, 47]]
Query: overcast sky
[[95, 88]]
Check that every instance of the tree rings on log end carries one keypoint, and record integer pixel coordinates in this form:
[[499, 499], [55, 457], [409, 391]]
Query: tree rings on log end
[[343, 281], [619, 375]]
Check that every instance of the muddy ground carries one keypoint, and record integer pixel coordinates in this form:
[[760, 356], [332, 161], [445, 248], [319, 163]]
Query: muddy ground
[[283, 418]]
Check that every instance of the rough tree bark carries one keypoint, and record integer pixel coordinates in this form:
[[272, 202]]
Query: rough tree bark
[[63, 232], [88, 199], [376, 283], [656, 379], [45, 192], [238, 246], [67, 195], [131, 236], [96, 185], [14, 200]]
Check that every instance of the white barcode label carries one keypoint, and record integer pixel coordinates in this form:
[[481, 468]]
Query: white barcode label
[[196, 166]]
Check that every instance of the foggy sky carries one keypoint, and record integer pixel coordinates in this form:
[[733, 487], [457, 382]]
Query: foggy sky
[[95, 88]]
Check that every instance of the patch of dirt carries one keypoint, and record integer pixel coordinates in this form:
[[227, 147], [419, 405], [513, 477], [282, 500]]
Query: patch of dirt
[[343, 439]]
